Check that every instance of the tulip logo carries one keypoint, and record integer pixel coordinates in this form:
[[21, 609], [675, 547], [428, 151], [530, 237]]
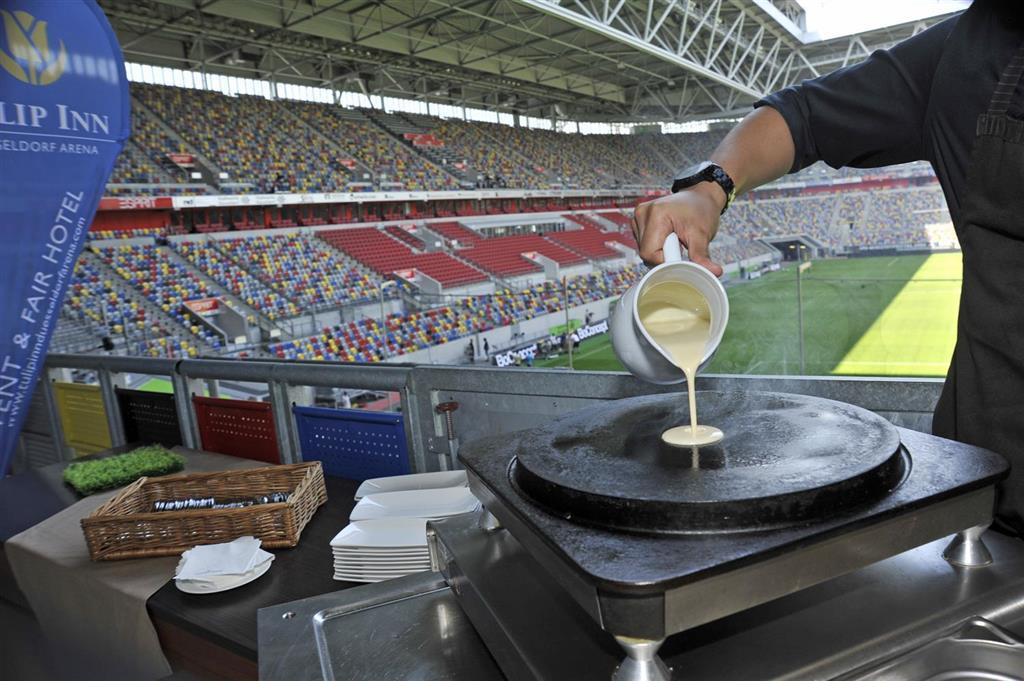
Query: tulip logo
[[25, 52]]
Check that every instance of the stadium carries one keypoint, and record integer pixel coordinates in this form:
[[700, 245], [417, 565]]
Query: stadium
[[359, 238], [295, 225]]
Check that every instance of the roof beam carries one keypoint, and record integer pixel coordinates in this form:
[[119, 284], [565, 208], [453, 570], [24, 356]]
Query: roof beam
[[552, 8]]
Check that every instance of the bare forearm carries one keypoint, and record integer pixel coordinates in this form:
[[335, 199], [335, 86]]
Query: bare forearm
[[758, 150]]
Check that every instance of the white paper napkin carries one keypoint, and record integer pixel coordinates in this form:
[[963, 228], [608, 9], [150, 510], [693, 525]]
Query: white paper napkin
[[232, 558]]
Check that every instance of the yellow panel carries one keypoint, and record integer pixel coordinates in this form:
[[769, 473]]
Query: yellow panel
[[83, 417]]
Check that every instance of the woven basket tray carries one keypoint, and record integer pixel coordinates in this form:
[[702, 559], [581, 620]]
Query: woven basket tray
[[127, 527]]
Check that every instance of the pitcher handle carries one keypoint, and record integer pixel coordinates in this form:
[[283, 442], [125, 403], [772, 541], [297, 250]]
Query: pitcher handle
[[671, 249]]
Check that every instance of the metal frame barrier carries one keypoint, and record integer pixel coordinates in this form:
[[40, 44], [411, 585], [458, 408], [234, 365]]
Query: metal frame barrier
[[491, 400]]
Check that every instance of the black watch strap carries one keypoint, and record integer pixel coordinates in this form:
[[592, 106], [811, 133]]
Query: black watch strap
[[706, 172]]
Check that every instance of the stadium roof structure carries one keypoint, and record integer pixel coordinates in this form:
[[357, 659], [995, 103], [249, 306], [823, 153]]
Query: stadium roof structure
[[596, 60]]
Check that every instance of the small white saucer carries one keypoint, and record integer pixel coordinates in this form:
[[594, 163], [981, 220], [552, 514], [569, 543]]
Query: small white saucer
[[220, 583]]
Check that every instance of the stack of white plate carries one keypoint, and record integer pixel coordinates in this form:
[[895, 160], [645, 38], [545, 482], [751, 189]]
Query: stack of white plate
[[381, 548], [387, 536]]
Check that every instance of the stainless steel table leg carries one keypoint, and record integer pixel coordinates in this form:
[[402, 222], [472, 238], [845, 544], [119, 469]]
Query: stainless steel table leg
[[967, 549], [488, 521], [642, 662]]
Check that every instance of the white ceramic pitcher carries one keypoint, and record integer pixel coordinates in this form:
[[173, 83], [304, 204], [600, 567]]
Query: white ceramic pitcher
[[635, 348]]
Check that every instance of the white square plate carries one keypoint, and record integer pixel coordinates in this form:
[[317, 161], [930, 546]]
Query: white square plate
[[403, 483], [378, 573], [378, 550], [354, 566], [384, 533], [426, 503]]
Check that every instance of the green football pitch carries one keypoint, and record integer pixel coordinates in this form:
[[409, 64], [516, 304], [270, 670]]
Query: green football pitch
[[885, 316]]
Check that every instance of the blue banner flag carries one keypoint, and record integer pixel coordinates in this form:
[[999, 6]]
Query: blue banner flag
[[63, 120]]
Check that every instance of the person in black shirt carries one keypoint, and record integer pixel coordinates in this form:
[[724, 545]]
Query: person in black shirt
[[952, 95]]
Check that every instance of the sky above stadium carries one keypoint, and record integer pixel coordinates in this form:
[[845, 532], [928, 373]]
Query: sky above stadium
[[832, 18]]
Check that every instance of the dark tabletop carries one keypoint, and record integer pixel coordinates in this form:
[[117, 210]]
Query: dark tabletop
[[228, 619]]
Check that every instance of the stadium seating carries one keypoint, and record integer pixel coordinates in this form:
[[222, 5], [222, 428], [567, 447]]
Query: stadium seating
[[367, 340], [619, 218], [454, 232], [253, 292], [295, 146], [503, 256], [379, 152], [134, 167], [589, 241], [688, 148], [272, 151], [110, 311], [99, 234], [150, 144], [385, 255], [301, 268], [905, 217], [406, 236], [163, 281], [912, 217]]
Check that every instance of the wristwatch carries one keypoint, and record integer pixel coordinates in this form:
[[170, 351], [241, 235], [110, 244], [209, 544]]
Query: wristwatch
[[706, 171]]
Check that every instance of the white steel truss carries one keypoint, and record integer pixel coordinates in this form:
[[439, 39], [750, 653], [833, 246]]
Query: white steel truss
[[580, 59]]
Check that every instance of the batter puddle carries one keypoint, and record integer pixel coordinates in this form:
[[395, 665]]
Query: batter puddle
[[678, 318]]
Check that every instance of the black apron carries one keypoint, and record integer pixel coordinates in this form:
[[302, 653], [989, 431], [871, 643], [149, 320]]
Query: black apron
[[982, 402]]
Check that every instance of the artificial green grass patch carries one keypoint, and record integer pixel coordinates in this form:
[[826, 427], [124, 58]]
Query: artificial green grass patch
[[88, 477]]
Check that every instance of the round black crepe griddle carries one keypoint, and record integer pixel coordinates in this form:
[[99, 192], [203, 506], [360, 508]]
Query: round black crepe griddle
[[785, 459]]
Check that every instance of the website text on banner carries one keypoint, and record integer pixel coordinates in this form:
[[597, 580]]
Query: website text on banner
[[63, 120]]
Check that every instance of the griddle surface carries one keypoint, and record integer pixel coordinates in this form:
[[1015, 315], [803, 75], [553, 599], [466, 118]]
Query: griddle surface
[[784, 459], [645, 563]]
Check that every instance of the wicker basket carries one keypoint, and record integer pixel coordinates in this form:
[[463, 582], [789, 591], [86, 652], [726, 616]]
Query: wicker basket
[[126, 527]]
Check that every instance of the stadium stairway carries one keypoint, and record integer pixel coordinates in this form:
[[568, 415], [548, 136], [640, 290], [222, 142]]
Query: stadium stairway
[[133, 154], [253, 313], [209, 170], [443, 232], [74, 335], [385, 253], [346, 258], [129, 294], [588, 242], [325, 139], [600, 221], [861, 218], [396, 125], [548, 177]]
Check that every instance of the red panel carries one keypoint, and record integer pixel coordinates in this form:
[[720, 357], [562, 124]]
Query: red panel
[[130, 219], [237, 428]]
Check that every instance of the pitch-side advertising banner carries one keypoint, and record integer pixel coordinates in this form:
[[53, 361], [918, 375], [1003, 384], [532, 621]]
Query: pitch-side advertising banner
[[63, 120]]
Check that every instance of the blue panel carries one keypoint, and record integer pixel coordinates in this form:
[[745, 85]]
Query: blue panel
[[353, 443]]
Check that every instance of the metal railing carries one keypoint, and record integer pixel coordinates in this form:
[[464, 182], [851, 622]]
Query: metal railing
[[491, 401]]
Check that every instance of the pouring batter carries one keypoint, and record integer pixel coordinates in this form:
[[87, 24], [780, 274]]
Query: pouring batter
[[678, 318]]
